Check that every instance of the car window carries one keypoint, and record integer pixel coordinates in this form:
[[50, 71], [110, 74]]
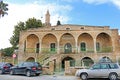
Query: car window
[[104, 66], [113, 66], [7, 65], [32, 64], [96, 66], [1, 64], [28, 64], [20, 65], [37, 64]]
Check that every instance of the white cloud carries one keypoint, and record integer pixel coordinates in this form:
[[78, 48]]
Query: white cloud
[[21, 12], [96, 1], [114, 2], [69, 0]]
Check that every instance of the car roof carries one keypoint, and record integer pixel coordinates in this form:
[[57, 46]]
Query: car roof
[[106, 63], [5, 63]]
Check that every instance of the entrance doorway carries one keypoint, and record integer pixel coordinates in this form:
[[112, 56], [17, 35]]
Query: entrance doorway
[[31, 59], [87, 62], [72, 62]]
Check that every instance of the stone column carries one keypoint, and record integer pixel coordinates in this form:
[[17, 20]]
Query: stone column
[[40, 46], [58, 47], [58, 64], [67, 66], [113, 44], [51, 67], [21, 53], [94, 45], [76, 46]]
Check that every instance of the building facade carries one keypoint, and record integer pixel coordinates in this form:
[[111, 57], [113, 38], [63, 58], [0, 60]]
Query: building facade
[[82, 45]]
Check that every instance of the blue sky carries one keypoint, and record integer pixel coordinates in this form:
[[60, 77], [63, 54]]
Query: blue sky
[[80, 12]]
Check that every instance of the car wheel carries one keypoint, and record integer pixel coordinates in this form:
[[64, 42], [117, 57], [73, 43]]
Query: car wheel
[[37, 74], [84, 76], [28, 73], [11, 72], [113, 76], [1, 72]]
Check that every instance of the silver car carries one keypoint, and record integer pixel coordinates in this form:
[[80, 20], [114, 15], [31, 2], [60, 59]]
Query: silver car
[[100, 70]]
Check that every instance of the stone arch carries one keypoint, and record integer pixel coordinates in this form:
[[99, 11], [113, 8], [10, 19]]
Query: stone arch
[[105, 42], [87, 39], [67, 42], [49, 41], [30, 59], [72, 61], [86, 62], [31, 44]]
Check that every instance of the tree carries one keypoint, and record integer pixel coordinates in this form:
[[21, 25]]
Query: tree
[[33, 23], [14, 40], [3, 8], [7, 51], [30, 23]]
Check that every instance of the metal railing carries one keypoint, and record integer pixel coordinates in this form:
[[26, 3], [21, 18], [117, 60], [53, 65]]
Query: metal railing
[[68, 50]]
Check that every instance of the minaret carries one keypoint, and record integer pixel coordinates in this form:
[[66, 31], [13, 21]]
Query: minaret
[[47, 19]]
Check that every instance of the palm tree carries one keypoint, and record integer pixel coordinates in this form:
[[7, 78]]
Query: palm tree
[[3, 8]]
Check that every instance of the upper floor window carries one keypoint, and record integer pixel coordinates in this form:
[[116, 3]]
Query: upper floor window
[[68, 48], [52, 47], [82, 28], [37, 48], [67, 28], [98, 46], [83, 46]]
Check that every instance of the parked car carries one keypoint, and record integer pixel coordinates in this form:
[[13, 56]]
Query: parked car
[[5, 67], [27, 68], [100, 70]]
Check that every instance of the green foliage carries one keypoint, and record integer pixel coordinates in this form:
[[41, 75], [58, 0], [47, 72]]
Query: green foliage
[[14, 40], [33, 23], [3, 8], [30, 23], [7, 51]]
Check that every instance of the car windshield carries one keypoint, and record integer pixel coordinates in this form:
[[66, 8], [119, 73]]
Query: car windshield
[[1, 64], [95, 66], [105, 66], [113, 66]]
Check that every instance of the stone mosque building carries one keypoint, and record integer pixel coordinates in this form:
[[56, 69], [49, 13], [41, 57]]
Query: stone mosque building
[[82, 45]]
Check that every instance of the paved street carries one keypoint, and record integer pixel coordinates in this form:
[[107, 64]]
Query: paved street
[[42, 77]]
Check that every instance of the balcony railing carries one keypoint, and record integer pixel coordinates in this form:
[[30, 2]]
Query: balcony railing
[[105, 50], [68, 50], [49, 50]]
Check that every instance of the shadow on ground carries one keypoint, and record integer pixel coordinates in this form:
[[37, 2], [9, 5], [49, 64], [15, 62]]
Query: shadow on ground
[[100, 79]]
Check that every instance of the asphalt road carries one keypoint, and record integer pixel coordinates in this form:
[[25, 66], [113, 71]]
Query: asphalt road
[[41, 77]]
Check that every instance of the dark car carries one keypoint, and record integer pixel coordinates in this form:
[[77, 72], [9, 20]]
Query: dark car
[[27, 68], [5, 67]]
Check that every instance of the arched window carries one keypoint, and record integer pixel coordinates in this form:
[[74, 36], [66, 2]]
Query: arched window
[[68, 48], [37, 48], [52, 47], [83, 46]]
